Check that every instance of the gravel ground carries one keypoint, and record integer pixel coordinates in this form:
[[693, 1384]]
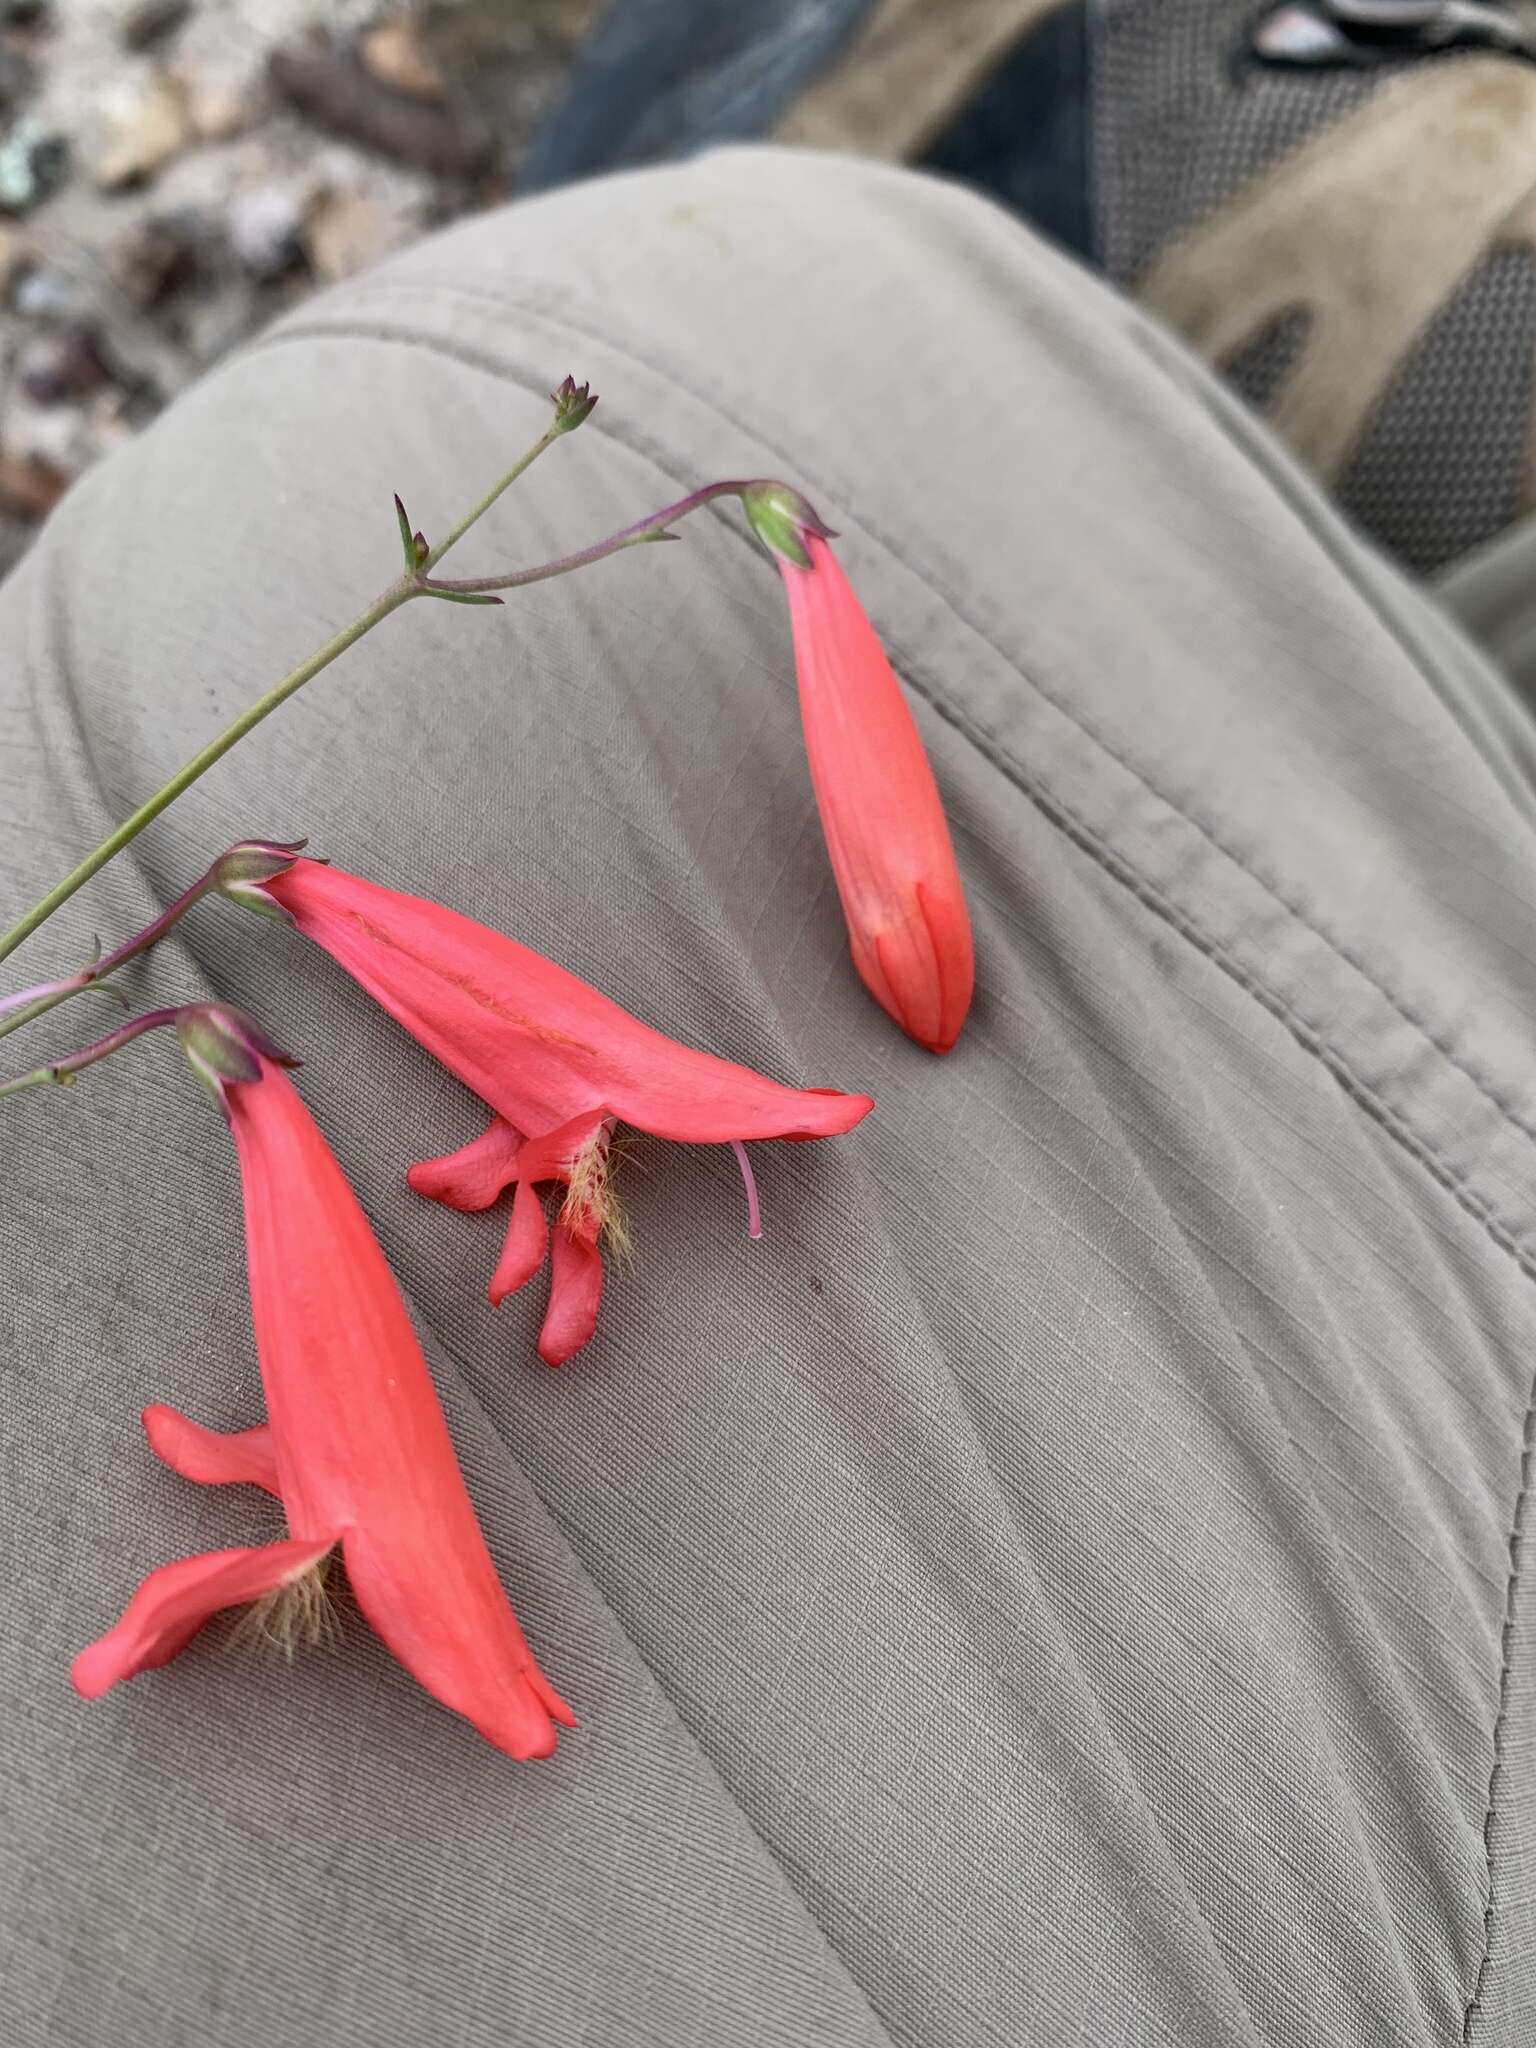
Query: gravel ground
[[173, 173]]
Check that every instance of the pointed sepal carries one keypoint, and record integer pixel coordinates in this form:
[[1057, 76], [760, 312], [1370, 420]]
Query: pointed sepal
[[573, 404], [781, 517], [412, 544], [239, 873], [224, 1047]]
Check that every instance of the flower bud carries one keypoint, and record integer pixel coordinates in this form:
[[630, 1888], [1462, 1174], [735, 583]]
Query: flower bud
[[573, 404], [881, 814], [239, 873], [782, 518]]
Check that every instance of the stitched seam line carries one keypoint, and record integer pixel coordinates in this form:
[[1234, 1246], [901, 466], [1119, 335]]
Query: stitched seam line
[[813, 1919], [1310, 514], [1083, 835], [1501, 1722], [1332, 539], [1277, 895]]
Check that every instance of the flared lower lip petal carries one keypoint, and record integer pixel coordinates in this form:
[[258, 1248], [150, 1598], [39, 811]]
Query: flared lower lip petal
[[575, 1294], [175, 1601], [472, 1177]]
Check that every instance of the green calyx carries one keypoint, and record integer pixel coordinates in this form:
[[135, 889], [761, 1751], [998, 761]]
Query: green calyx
[[216, 1048], [573, 404], [240, 873], [782, 518], [223, 1046]]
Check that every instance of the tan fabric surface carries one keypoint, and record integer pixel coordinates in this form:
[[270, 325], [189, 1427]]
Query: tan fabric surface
[[1057, 1587], [1493, 593]]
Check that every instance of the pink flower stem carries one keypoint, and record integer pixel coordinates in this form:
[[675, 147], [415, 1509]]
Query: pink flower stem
[[652, 528], [30, 1003], [62, 1072], [754, 1213]]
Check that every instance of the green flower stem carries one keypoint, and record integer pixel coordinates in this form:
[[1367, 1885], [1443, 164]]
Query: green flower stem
[[392, 599], [415, 582], [409, 586], [435, 555]]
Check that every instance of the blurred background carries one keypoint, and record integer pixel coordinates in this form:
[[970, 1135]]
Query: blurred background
[[1334, 201]]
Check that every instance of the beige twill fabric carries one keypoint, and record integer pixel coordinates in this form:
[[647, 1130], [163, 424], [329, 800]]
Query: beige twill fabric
[[1057, 1586]]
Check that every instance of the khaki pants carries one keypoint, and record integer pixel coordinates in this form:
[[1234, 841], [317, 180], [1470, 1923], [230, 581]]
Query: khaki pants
[[1063, 1584]]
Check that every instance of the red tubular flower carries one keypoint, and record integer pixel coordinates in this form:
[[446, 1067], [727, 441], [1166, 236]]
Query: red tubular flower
[[891, 855], [559, 1064], [355, 1446]]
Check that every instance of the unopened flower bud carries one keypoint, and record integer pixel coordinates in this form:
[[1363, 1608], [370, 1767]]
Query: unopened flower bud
[[782, 517], [573, 404], [881, 813]]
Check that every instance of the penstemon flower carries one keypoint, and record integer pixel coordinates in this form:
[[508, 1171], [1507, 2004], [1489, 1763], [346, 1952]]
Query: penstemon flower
[[885, 830], [560, 1065], [355, 1445]]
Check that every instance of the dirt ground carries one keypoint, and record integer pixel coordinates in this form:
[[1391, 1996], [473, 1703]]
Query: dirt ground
[[173, 173]]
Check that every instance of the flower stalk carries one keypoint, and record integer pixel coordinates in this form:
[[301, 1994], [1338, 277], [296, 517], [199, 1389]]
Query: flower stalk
[[649, 529], [61, 1073], [28, 1004], [234, 874], [572, 405], [397, 594]]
